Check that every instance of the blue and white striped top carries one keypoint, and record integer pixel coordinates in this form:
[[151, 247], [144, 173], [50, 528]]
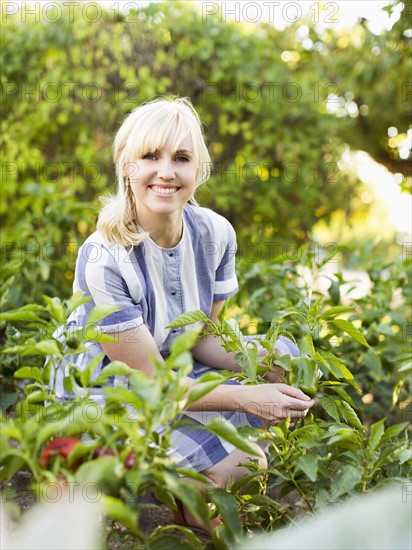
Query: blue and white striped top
[[154, 285]]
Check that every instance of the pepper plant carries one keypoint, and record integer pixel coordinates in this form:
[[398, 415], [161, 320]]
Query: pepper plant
[[342, 447], [122, 449], [330, 454]]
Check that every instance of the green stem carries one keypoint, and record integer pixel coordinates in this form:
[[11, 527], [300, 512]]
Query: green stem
[[32, 465]]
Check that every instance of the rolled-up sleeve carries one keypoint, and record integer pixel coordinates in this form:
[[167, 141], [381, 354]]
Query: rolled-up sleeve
[[99, 276]]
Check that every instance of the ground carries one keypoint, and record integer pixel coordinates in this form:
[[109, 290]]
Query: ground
[[150, 517]]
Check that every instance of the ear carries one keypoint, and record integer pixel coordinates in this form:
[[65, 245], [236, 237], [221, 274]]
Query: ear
[[129, 168]]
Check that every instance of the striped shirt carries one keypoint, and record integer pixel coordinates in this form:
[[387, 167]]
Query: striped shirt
[[154, 285]]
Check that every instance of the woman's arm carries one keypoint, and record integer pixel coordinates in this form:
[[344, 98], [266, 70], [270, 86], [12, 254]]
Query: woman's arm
[[210, 351], [271, 402]]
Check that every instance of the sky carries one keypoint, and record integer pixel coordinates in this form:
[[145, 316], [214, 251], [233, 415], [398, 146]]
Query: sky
[[341, 13]]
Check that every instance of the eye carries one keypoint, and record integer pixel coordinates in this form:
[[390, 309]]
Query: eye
[[149, 156], [182, 158]]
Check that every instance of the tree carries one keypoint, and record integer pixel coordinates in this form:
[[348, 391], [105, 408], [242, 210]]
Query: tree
[[264, 95]]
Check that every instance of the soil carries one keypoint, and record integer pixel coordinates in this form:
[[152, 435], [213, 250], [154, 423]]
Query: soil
[[152, 515]]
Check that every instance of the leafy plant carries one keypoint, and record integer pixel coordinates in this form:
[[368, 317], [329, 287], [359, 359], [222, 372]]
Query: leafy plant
[[330, 454], [122, 449]]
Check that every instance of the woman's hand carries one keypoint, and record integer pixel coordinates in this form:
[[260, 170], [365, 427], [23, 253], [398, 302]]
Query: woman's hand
[[274, 402]]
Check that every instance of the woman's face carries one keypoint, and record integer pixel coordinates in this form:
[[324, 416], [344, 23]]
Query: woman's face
[[163, 181]]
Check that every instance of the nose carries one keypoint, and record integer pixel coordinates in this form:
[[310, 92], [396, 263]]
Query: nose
[[166, 170]]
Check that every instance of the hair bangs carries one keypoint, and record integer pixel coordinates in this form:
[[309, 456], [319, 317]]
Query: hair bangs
[[154, 131]]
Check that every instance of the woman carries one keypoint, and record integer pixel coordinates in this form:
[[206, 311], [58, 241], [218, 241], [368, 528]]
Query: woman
[[157, 256]]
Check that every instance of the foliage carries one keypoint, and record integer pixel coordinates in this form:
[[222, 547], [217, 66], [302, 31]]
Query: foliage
[[347, 445], [66, 86], [341, 448], [363, 524], [70, 77], [122, 449], [381, 317]]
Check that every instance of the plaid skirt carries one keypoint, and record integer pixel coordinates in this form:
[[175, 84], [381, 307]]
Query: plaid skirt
[[196, 448]]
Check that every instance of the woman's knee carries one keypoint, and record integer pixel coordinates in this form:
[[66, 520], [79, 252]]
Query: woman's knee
[[231, 466]]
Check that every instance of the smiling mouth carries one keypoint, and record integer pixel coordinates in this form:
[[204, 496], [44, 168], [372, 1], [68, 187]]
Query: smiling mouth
[[164, 190]]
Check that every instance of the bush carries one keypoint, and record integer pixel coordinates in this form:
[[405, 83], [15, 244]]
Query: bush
[[355, 441]]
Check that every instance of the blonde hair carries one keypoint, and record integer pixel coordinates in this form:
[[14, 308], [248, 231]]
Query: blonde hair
[[148, 128]]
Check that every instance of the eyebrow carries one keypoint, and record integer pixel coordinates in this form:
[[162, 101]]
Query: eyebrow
[[184, 151], [178, 152]]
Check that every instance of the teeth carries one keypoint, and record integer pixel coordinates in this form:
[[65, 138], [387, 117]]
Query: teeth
[[164, 190]]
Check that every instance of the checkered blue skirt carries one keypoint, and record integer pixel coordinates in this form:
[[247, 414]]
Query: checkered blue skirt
[[196, 448]]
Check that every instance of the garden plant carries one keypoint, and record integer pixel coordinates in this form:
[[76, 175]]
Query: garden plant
[[118, 454], [66, 84]]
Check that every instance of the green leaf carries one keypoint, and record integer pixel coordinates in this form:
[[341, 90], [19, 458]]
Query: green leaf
[[104, 472], [285, 362], [346, 480], [80, 452], [33, 373], [373, 362], [189, 318], [75, 301], [377, 431], [11, 431], [334, 290], [306, 345], [309, 466], [394, 431], [12, 465], [184, 342], [336, 310], [406, 367], [118, 395], [350, 415], [328, 404], [39, 348], [55, 308], [285, 313], [231, 329], [119, 511], [251, 363], [100, 312], [193, 474], [68, 384], [38, 397], [21, 315], [347, 327], [227, 507], [189, 495], [92, 333], [115, 368], [227, 431], [340, 391], [336, 367], [86, 375], [405, 456], [223, 309]]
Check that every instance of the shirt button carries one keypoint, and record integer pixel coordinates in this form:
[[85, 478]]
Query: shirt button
[[174, 330], [171, 253], [173, 293]]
